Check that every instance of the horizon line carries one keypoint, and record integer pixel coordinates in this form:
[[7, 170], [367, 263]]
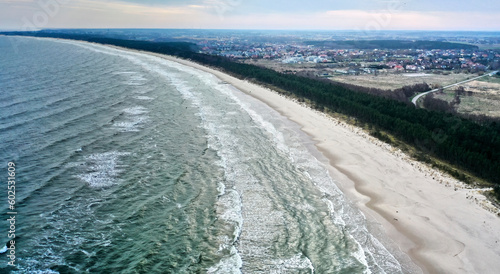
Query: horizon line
[[247, 29]]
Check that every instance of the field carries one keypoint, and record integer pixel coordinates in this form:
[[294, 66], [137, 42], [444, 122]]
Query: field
[[384, 80], [484, 99], [392, 81]]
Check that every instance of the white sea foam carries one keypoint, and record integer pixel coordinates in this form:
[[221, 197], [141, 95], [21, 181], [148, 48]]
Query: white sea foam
[[143, 90], [130, 126], [137, 110], [359, 254], [124, 72], [132, 78], [136, 80], [293, 264], [133, 120], [228, 265], [230, 207], [221, 188], [102, 169], [137, 77], [145, 98]]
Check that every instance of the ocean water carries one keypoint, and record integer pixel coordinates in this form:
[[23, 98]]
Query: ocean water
[[129, 163]]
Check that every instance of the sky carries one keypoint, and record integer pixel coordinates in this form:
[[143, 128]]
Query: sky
[[366, 15]]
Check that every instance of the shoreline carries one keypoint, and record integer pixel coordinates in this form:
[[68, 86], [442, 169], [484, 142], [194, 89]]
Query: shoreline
[[419, 225], [441, 224]]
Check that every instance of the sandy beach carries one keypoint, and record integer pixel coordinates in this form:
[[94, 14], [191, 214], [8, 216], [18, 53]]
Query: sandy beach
[[440, 223]]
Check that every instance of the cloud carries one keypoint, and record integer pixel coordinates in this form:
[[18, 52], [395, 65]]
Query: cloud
[[363, 20], [113, 14], [164, 2], [317, 6], [453, 6], [258, 14]]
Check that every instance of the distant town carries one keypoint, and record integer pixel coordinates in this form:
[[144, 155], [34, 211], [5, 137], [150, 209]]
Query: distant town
[[341, 52], [357, 61]]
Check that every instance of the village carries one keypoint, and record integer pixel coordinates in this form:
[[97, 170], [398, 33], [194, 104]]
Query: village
[[340, 61]]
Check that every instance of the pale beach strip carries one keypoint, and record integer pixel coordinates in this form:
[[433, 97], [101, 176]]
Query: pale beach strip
[[443, 226]]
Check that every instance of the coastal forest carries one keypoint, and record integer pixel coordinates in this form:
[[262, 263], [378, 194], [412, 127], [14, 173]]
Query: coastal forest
[[468, 145]]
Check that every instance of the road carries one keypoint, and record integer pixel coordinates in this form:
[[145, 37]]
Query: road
[[415, 99]]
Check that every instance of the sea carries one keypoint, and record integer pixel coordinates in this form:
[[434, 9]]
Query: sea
[[129, 163]]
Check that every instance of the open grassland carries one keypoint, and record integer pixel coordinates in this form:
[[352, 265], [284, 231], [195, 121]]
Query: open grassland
[[391, 81], [482, 97], [489, 46], [493, 79], [388, 80]]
